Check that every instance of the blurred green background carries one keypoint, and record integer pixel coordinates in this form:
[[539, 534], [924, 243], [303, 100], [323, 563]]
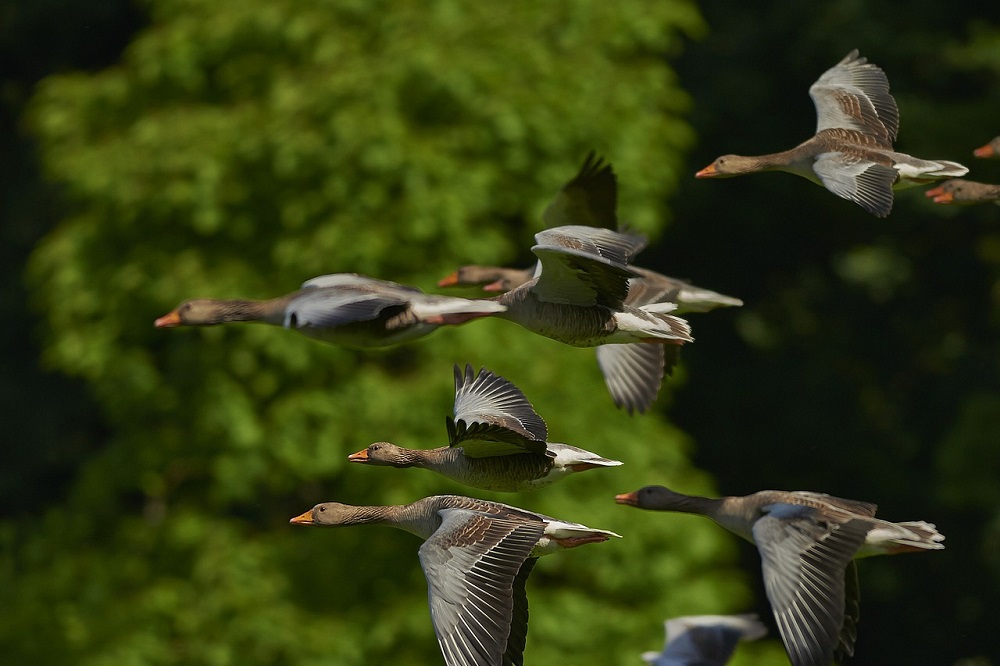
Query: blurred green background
[[164, 149]]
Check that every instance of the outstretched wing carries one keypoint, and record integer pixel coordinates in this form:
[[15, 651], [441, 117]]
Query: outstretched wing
[[493, 417], [590, 198], [585, 266], [854, 94], [804, 559], [472, 564]]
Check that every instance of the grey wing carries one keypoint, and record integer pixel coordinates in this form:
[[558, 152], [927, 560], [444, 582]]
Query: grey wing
[[852, 613], [804, 559], [864, 182], [590, 198], [329, 308], [493, 417], [471, 563], [633, 372], [354, 281], [619, 247], [854, 94], [513, 654]]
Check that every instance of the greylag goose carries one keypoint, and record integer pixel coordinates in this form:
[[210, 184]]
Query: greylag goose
[[621, 365], [476, 556], [992, 149], [807, 543], [851, 153], [496, 441], [342, 308], [966, 192], [704, 640], [578, 297]]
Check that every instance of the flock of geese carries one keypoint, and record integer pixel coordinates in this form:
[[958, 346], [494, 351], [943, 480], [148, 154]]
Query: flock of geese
[[585, 291]]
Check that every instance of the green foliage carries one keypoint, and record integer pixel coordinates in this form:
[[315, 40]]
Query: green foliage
[[242, 147]]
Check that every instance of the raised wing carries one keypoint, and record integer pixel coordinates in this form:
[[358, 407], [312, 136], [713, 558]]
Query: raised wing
[[585, 266], [590, 198], [493, 417], [854, 94], [804, 559], [472, 563]]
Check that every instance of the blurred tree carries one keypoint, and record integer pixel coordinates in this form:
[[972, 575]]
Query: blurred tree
[[242, 147]]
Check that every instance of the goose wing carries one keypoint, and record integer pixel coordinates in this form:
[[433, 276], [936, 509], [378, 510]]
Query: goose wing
[[472, 563], [493, 417], [590, 198], [585, 266], [804, 558], [633, 372], [854, 94]]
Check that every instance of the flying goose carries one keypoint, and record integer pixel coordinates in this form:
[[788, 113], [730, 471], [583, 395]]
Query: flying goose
[[342, 308], [476, 556], [578, 297], [966, 192], [496, 441], [851, 153], [807, 543]]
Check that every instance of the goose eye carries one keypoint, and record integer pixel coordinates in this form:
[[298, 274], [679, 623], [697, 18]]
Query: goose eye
[[322, 509]]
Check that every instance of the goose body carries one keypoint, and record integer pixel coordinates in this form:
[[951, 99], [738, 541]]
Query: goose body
[[476, 557], [342, 308], [704, 640], [964, 192], [807, 542], [852, 152], [497, 441]]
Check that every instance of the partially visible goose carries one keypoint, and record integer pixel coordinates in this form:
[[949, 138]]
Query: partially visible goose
[[647, 286], [704, 640], [966, 192], [342, 308], [851, 153], [991, 149], [621, 365], [807, 543], [578, 297], [476, 556], [496, 441]]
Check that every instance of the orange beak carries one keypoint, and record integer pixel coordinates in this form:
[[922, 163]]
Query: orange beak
[[449, 281], [168, 320], [494, 286], [627, 498], [360, 456], [707, 172], [939, 195], [984, 151], [304, 519]]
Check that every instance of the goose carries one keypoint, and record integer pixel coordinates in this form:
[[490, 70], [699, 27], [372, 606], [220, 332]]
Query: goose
[[704, 640], [496, 441], [851, 153], [967, 192], [578, 298], [807, 542], [342, 308], [991, 149], [620, 365], [476, 556]]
